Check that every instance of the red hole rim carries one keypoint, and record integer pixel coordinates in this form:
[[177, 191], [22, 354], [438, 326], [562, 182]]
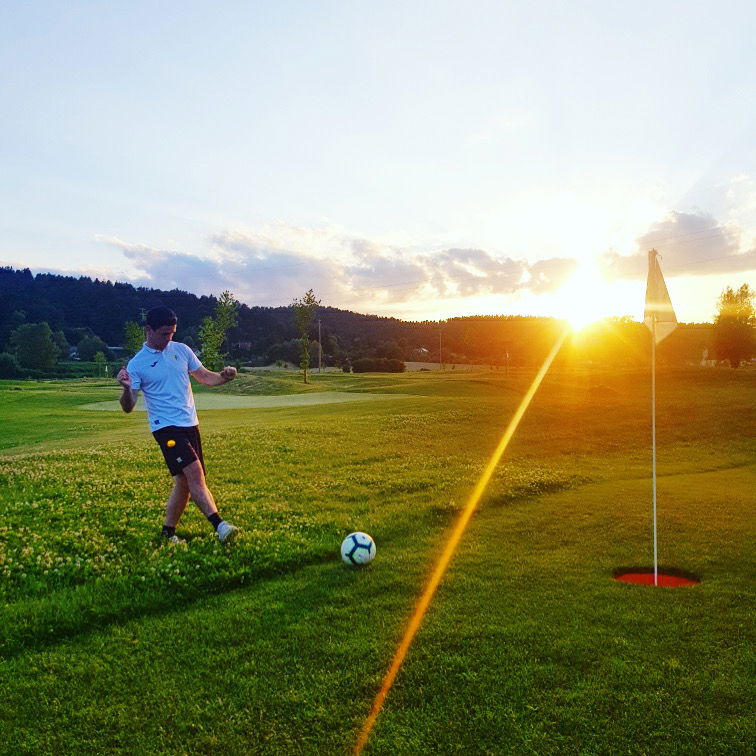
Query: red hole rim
[[668, 577]]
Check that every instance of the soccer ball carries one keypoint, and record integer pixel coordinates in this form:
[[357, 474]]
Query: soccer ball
[[357, 549]]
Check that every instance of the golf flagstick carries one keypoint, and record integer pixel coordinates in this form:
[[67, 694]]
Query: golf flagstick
[[653, 439], [659, 316]]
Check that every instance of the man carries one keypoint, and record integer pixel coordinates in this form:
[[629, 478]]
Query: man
[[161, 370]]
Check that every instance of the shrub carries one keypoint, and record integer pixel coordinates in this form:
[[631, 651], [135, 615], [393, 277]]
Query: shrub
[[377, 365], [34, 346], [9, 367], [89, 346]]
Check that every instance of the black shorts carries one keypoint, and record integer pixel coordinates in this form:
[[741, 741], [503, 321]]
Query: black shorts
[[180, 447]]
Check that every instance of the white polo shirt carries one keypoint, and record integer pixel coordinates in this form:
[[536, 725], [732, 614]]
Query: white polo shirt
[[163, 378]]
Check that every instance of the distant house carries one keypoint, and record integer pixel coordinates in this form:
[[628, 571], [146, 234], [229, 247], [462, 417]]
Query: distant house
[[420, 354]]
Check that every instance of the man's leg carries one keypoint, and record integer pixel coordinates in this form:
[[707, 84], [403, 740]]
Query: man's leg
[[177, 501], [203, 497], [197, 487]]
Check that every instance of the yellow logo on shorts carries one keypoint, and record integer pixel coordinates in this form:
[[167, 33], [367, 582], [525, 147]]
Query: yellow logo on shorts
[[170, 443]]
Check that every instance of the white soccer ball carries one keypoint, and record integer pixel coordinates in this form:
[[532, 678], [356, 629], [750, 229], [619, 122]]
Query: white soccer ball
[[357, 548]]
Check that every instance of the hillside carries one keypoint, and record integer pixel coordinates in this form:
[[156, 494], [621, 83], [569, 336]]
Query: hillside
[[81, 307]]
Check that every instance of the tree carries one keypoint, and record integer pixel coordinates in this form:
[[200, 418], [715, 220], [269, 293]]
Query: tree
[[9, 324], [286, 351], [89, 346], [60, 341], [213, 331], [133, 337], [34, 346], [101, 365], [378, 365], [735, 325], [304, 312], [9, 367]]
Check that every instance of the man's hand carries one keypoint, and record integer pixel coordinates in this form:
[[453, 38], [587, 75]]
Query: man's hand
[[128, 398], [228, 373], [124, 378], [211, 378]]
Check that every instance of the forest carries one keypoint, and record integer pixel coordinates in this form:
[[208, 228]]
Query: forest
[[89, 315]]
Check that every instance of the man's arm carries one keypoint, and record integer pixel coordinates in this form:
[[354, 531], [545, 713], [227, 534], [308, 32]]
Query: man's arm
[[128, 396], [209, 378]]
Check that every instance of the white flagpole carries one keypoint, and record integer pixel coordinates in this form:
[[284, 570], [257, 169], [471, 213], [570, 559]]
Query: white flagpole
[[658, 316], [653, 435]]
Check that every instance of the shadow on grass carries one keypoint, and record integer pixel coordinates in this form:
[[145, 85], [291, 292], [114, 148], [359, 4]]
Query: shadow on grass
[[69, 613], [72, 612]]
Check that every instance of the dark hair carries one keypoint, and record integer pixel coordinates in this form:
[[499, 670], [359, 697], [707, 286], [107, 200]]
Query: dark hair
[[160, 316]]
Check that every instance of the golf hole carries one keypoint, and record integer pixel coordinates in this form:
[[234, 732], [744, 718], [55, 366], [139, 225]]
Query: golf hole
[[668, 577]]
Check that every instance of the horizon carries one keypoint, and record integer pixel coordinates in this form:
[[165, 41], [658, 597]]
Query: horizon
[[419, 165], [583, 326]]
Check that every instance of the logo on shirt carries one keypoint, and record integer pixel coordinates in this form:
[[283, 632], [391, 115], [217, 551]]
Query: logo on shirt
[[154, 363]]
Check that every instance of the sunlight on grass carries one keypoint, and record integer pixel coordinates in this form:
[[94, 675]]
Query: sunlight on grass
[[450, 548]]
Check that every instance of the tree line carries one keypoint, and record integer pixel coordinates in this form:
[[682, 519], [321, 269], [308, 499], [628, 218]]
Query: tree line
[[45, 318]]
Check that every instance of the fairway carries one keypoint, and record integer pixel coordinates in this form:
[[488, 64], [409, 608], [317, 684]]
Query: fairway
[[114, 642]]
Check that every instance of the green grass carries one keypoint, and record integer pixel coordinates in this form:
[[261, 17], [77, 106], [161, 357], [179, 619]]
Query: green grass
[[113, 642]]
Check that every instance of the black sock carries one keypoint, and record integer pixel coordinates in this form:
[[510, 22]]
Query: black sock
[[215, 520], [168, 531]]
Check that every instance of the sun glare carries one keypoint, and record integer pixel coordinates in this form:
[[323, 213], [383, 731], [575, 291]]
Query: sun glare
[[585, 297]]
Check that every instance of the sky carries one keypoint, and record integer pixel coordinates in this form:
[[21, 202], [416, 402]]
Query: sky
[[422, 160]]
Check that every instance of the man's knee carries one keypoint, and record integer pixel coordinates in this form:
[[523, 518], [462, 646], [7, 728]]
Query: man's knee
[[195, 479], [180, 485]]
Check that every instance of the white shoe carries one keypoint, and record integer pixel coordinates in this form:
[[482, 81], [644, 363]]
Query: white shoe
[[226, 532], [176, 541]]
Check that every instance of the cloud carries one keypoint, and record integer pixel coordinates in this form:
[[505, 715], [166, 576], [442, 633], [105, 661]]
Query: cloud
[[401, 276], [170, 269], [687, 240], [470, 272], [549, 275], [277, 263], [273, 266], [690, 244]]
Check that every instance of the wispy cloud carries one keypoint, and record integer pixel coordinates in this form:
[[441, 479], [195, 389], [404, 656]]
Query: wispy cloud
[[690, 244], [273, 265], [276, 265]]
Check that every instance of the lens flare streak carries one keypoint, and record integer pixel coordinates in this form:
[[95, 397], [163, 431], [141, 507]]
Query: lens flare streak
[[450, 548]]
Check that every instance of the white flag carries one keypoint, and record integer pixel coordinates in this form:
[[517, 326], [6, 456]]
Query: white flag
[[659, 315]]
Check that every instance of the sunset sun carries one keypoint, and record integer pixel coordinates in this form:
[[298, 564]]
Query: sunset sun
[[584, 298]]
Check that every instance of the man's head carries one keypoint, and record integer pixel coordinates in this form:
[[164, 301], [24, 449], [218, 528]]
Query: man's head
[[160, 327], [160, 316]]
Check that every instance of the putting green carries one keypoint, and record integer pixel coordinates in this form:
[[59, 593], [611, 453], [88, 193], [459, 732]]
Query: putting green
[[232, 401]]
